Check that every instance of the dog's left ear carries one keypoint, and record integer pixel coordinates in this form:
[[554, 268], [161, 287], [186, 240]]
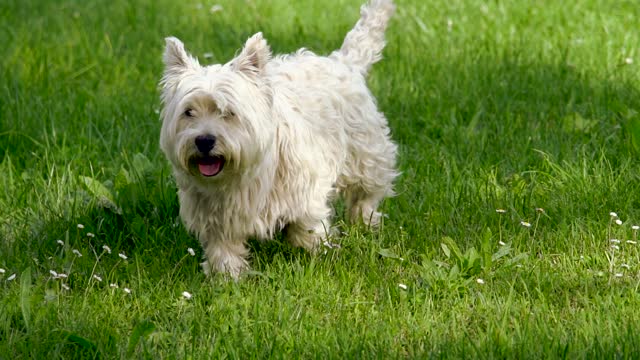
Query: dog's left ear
[[254, 56]]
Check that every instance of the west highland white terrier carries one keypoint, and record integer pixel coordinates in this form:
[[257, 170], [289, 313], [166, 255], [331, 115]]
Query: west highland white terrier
[[264, 144]]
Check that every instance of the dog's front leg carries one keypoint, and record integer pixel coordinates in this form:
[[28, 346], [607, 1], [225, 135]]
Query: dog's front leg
[[225, 256], [308, 234]]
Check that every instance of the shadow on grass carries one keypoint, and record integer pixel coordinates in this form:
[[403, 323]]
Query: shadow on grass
[[472, 135], [496, 110]]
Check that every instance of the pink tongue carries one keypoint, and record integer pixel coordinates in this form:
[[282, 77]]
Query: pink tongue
[[209, 169]]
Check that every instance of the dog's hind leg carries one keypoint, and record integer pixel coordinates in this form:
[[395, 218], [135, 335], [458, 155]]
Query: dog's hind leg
[[370, 181], [362, 206]]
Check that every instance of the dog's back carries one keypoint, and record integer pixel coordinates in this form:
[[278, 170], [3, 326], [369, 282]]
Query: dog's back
[[325, 105]]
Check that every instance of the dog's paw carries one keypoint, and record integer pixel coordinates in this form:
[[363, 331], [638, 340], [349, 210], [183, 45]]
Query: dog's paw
[[230, 267], [206, 268]]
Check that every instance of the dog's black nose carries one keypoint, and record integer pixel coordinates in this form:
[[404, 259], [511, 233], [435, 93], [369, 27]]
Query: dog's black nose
[[205, 143]]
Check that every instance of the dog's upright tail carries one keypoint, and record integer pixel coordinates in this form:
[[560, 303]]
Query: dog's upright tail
[[362, 47]]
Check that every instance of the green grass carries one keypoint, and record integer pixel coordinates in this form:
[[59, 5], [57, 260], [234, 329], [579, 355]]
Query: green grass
[[508, 105]]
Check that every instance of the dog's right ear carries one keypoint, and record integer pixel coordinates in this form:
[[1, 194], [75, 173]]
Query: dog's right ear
[[254, 55], [176, 59]]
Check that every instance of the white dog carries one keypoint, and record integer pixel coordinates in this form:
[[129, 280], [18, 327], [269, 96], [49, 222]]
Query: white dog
[[263, 144]]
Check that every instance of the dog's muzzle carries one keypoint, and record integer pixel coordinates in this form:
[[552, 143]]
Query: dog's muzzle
[[208, 165]]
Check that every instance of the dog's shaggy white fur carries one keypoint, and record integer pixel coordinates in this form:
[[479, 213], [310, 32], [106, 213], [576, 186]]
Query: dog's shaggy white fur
[[263, 144]]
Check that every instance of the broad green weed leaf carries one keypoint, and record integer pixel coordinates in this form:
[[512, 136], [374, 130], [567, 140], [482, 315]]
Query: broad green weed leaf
[[454, 272], [446, 250], [122, 180], [142, 330], [82, 342], [141, 164], [387, 253], [633, 127], [472, 262], [486, 249], [441, 264], [502, 252], [453, 247], [100, 192], [575, 122], [516, 259]]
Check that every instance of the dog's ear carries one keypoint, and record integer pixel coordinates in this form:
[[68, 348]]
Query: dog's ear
[[175, 58], [254, 56]]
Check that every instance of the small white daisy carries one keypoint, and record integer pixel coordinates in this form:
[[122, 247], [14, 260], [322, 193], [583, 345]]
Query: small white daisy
[[208, 55], [619, 275], [615, 247], [62, 276], [2, 271], [540, 210], [631, 242], [106, 248], [613, 215], [60, 242], [115, 286], [618, 221], [480, 281], [186, 295], [501, 243], [65, 286], [127, 290], [501, 211], [91, 235], [525, 224], [11, 277], [614, 241], [191, 252], [80, 226], [123, 256], [53, 273], [77, 252], [216, 8], [402, 286], [628, 61], [635, 227], [97, 277]]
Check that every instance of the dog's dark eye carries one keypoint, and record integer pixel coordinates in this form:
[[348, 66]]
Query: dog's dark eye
[[229, 113], [189, 113]]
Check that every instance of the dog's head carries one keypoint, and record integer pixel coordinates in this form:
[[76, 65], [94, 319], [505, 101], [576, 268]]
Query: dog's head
[[216, 119]]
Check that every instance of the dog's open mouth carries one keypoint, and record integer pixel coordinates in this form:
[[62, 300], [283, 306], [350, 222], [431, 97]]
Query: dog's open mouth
[[210, 165]]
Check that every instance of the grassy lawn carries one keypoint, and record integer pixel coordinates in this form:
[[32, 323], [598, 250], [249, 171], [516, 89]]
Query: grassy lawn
[[530, 107]]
